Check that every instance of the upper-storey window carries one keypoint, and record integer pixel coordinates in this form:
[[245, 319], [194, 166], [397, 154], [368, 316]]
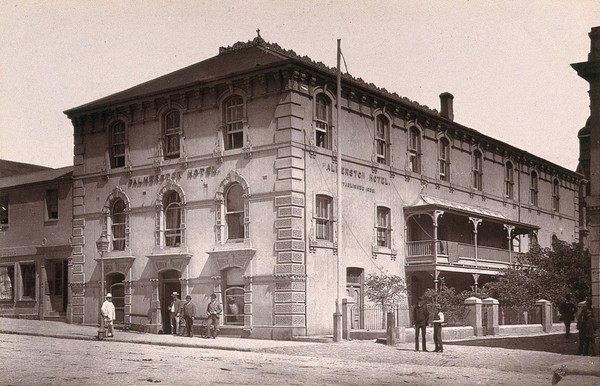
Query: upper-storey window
[[414, 150], [172, 134], [383, 227], [382, 140], [172, 219], [52, 204], [477, 169], [234, 212], [3, 210], [444, 160], [233, 118], [118, 218], [118, 142], [323, 121], [555, 195], [509, 180], [323, 217], [533, 188]]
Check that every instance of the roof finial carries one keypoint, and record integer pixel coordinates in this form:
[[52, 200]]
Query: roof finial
[[258, 32]]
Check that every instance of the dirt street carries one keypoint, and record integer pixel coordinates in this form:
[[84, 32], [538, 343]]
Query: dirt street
[[27, 360]]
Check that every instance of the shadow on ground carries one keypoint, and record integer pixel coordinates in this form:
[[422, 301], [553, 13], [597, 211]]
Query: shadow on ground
[[555, 343]]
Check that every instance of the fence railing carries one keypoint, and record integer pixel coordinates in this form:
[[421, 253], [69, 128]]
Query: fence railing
[[511, 316], [372, 317]]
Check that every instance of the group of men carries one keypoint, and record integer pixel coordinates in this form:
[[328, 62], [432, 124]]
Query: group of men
[[421, 320], [186, 311], [179, 311], [586, 324]]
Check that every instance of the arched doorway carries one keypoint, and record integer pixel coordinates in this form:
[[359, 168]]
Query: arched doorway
[[117, 289], [169, 283]]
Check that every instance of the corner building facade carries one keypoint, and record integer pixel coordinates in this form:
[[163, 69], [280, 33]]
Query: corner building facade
[[221, 177]]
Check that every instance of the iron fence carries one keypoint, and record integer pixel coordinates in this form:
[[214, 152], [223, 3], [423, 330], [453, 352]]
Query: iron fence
[[513, 315]]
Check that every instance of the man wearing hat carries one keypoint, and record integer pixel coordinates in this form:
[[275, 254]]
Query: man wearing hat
[[189, 312], [108, 313], [175, 312], [420, 321], [214, 311]]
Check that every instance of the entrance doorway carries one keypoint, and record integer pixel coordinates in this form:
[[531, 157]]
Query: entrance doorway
[[169, 283], [116, 287], [354, 289], [57, 274]]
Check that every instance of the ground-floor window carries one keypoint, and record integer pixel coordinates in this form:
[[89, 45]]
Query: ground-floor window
[[233, 296], [7, 282], [27, 281]]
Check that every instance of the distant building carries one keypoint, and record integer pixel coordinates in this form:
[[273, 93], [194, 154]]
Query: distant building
[[589, 161], [221, 177], [35, 245]]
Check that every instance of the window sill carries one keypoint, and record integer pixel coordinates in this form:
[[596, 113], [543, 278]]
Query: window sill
[[322, 244], [379, 250], [51, 221]]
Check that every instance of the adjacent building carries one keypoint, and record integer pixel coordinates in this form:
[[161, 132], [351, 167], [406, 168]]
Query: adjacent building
[[35, 244], [222, 178]]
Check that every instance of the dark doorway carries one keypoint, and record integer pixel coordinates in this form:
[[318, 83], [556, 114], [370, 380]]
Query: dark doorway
[[57, 274], [169, 283], [117, 290], [354, 289]]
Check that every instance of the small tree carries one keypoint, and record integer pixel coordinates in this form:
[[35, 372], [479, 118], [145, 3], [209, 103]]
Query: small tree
[[385, 290]]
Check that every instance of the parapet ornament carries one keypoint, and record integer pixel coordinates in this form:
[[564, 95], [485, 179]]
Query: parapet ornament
[[290, 277]]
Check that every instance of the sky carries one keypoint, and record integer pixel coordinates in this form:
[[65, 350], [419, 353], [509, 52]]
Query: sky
[[507, 62]]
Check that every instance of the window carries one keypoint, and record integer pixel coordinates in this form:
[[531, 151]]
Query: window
[[555, 195], [234, 122], [323, 121], [7, 282], [381, 139], [414, 150], [52, 204], [383, 227], [233, 296], [3, 210], [172, 133], [234, 212], [443, 160], [118, 224], [27, 280], [117, 144], [323, 214], [508, 180], [172, 215], [477, 170], [533, 188]]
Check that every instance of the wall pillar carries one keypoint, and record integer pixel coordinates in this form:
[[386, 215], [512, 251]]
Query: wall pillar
[[491, 309], [546, 312], [155, 316], [474, 314]]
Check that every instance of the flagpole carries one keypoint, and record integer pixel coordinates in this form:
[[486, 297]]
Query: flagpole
[[337, 320]]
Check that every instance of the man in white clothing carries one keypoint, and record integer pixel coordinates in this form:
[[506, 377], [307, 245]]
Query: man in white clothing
[[438, 322], [108, 313]]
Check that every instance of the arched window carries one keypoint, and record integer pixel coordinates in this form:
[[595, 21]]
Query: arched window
[[414, 150], [533, 188], [172, 133], [508, 180], [477, 170], [233, 118], [382, 130], [118, 224], [444, 160], [555, 195], [172, 219], [383, 227], [324, 217], [233, 295], [323, 121], [118, 142], [234, 212]]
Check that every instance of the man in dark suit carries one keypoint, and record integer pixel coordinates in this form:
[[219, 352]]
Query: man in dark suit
[[214, 311], [189, 312], [420, 320]]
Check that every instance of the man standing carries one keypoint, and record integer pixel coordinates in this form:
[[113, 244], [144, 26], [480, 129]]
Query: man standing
[[213, 310], [175, 312], [438, 322], [420, 320], [189, 312], [567, 314], [108, 314]]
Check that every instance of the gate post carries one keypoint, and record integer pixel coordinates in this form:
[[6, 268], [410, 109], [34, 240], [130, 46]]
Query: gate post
[[473, 305], [490, 308], [546, 312], [347, 305]]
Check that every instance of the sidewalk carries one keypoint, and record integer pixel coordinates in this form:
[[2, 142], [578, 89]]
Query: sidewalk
[[74, 331]]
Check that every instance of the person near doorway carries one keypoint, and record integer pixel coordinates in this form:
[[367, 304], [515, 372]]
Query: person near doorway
[[587, 331], [420, 321], [189, 312], [175, 312], [108, 314], [567, 314], [438, 323], [214, 311]]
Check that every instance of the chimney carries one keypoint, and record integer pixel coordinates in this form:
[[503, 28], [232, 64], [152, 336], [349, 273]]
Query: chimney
[[447, 110]]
